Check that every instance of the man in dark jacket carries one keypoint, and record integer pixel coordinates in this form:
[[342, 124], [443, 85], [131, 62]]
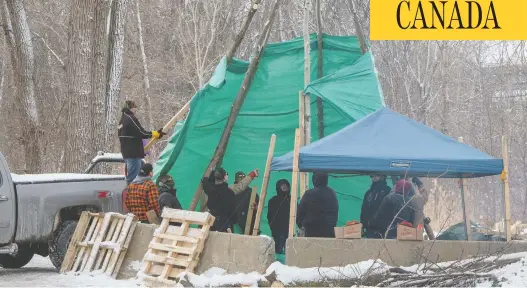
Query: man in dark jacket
[[395, 208], [319, 208], [278, 214], [221, 200], [372, 200], [167, 193], [242, 203], [131, 135]]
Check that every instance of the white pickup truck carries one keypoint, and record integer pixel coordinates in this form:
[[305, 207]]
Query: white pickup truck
[[39, 213]]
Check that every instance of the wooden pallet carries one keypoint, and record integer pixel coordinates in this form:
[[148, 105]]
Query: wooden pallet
[[175, 249], [99, 243]]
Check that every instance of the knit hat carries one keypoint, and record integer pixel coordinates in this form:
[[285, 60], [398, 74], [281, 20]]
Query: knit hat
[[403, 187], [239, 176], [146, 169], [166, 180], [320, 179]]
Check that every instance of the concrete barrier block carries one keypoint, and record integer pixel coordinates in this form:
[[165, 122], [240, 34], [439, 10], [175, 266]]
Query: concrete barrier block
[[232, 252], [325, 252]]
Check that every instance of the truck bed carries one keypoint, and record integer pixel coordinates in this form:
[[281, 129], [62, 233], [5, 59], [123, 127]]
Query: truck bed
[[61, 177]]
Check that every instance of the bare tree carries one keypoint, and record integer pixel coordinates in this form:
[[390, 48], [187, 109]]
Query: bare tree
[[24, 82]]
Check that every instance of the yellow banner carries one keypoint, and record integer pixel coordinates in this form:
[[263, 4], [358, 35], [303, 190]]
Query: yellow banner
[[448, 20]]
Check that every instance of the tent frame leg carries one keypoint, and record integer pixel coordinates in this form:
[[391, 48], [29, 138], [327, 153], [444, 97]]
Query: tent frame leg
[[294, 185]]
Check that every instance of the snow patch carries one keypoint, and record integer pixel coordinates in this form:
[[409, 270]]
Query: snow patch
[[215, 277], [290, 275], [107, 156]]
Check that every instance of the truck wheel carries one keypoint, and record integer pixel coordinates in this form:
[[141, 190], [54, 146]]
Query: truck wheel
[[58, 245], [22, 257]]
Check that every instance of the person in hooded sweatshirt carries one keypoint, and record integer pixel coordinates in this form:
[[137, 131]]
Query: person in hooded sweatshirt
[[278, 214], [221, 200], [242, 201], [319, 208], [167, 193], [143, 194], [372, 200], [131, 135], [395, 208]]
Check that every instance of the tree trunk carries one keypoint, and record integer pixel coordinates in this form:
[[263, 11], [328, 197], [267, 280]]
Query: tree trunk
[[79, 122], [239, 37], [238, 102], [358, 29], [307, 73], [114, 66], [99, 44], [146, 80], [24, 79]]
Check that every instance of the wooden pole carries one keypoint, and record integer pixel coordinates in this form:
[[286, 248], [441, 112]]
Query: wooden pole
[[265, 184], [464, 196], [238, 102], [250, 212], [306, 135], [506, 188], [294, 186], [179, 115], [307, 73], [237, 41], [301, 125], [358, 29], [320, 71]]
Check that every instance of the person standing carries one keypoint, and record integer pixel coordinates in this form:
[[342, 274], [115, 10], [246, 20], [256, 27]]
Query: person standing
[[372, 200], [221, 200], [143, 194], [278, 214], [242, 201], [167, 193], [319, 208], [131, 135]]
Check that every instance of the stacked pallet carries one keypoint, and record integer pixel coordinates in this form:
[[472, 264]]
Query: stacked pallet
[[99, 243], [176, 246]]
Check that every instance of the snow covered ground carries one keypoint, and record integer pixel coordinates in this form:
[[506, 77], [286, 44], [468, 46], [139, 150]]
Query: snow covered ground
[[41, 273]]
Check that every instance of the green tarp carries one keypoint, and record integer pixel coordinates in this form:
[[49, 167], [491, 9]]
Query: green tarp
[[350, 90]]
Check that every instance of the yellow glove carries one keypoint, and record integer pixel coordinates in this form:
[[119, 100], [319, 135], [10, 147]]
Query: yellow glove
[[155, 134]]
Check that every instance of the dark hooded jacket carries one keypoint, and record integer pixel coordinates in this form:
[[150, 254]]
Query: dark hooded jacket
[[278, 210], [372, 200], [131, 135], [167, 197], [319, 208], [242, 208], [388, 210], [221, 203]]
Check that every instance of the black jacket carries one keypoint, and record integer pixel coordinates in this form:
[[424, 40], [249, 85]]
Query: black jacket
[[221, 203], [168, 198], [319, 208], [372, 200], [389, 208], [242, 208], [131, 135], [278, 210]]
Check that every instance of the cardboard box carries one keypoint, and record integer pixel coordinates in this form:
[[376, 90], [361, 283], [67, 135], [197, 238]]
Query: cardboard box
[[351, 232], [409, 233]]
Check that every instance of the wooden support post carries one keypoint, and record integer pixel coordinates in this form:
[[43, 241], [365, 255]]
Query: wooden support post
[[358, 29], [238, 102], [237, 41], [506, 188], [250, 212], [307, 73], [265, 184], [320, 71], [294, 186], [464, 197], [301, 125]]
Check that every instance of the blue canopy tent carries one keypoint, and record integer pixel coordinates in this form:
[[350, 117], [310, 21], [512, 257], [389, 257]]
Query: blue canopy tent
[[385, 142], [389, 143]]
